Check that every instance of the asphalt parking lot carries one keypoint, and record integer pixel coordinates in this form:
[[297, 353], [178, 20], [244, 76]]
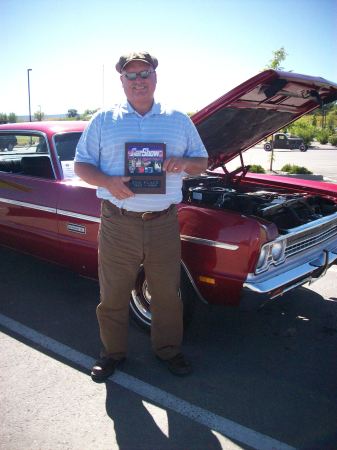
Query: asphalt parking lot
[[263, 379], [320, 159]]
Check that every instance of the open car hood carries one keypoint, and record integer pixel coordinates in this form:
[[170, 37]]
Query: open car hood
[[256, 109]]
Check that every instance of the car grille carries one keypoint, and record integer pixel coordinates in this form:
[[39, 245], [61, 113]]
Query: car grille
[[308, 238]]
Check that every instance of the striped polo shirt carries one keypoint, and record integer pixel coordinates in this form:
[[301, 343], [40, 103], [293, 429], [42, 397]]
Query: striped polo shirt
[[103, 145]]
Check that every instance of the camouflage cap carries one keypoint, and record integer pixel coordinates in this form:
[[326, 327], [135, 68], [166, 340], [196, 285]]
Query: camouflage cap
[[136, 56]]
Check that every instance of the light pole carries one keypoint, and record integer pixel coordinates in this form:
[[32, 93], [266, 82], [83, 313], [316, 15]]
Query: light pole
[[30, 114]]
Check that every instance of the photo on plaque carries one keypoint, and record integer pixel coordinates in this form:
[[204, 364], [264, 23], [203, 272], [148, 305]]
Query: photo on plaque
[[144, 164]]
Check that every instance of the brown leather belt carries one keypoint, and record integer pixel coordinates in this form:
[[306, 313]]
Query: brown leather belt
[[146, 215]]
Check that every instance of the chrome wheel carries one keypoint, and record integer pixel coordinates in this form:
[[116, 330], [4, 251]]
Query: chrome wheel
[[140, 301]]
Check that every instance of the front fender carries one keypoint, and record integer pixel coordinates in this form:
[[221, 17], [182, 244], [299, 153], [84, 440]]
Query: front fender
[[219, 249]]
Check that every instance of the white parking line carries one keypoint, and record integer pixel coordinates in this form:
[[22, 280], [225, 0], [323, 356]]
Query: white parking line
[[202, 416]]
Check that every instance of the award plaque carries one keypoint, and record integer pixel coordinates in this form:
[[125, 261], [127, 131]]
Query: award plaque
[[144, 164]]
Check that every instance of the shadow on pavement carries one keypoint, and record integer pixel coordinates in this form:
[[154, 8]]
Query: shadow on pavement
[[172, 431], [271, 370]]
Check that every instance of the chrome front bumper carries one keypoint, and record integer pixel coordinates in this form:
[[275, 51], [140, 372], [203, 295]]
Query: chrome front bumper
[[277, 282]]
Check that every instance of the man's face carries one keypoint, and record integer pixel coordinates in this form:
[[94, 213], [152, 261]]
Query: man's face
[[139, 90]]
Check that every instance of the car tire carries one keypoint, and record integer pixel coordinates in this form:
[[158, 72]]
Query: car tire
[[303, 148], [267, 147], [140, 301]]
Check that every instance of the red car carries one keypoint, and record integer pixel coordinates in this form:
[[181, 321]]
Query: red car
[[245, 237]]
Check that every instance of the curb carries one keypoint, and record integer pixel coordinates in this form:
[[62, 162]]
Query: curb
[[303, 176]]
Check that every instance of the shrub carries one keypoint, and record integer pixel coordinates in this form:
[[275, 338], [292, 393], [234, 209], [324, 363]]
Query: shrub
[[333, 140], [256, 168], [286, 168], [291, 168], [323, 136]]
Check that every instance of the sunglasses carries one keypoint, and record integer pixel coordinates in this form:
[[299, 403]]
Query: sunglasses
[[133, 75]]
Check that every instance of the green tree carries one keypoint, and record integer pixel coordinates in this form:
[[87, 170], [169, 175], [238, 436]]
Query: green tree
[[279, 56], [3, 118], [275, 63], [39, 115], [12, 118], [331, 116], [303, 129], [72, 113], [88, 113]]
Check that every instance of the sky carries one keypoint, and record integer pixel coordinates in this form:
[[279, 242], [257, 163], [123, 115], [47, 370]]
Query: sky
[[204, 48]]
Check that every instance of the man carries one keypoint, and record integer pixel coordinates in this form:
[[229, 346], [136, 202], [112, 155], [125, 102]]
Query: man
[[139, 228]]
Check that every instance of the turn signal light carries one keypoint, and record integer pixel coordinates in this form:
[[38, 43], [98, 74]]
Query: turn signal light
[[207, 280]]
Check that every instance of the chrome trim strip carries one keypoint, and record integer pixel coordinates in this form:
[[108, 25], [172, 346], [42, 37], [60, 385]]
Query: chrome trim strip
[[208, 242], [310, 226], [310, 241], [78, 216], [29, 205], [62, 212], [196, 290], [51, 210]]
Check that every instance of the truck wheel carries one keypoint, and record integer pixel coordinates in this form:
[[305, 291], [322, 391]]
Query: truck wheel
[[268, 147], [303, 148]]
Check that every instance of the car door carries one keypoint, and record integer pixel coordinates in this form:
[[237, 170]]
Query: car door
[[78, 210], [280, 141], [28, 195], [78, 214]]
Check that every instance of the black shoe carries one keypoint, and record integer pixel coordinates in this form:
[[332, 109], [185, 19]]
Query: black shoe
[[103, 368], [178, 365]]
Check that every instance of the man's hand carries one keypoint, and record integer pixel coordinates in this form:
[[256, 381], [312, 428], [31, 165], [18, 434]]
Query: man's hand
[[174, 165], [192, 166], [117, 187], [114, 184]]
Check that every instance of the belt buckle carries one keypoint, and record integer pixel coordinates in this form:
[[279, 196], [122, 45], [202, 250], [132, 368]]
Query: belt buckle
[[144, 215]]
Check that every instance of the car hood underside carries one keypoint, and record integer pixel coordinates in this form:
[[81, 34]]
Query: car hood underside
[[256, 109]]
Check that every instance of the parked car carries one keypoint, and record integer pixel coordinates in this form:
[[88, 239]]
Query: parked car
[[282, 140], [245, 237], [7, 143]]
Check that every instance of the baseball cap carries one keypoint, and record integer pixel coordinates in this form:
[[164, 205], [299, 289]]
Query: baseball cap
[[136, 56]]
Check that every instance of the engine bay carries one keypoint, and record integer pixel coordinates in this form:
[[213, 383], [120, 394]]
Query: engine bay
[[286, 210]]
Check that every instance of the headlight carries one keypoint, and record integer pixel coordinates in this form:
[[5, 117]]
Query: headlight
[[262, 258], [271, 253], [277, 251]]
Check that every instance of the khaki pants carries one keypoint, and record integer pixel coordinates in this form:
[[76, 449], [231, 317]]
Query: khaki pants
[[125, 243]]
